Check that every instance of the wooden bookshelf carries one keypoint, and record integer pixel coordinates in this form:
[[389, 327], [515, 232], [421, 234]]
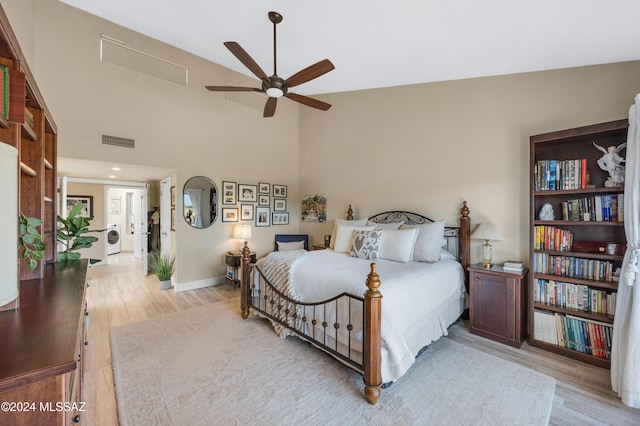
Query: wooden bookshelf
[[586, 326], [36, 144]]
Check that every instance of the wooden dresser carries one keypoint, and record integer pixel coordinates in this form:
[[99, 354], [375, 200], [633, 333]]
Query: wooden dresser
[[41, 354]]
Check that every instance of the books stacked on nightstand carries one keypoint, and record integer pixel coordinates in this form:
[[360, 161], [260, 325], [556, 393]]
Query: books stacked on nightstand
[[513, 266]]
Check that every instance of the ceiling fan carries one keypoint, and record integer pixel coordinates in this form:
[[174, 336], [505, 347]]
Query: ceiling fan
[[274, 86]]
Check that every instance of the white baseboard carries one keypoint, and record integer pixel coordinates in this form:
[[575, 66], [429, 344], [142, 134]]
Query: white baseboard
[[193, 285]]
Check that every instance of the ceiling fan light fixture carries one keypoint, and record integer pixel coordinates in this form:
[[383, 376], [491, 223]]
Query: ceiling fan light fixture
[[274, 92]]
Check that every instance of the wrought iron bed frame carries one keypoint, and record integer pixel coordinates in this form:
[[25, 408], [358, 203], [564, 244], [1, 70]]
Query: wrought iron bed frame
[[293, 314]]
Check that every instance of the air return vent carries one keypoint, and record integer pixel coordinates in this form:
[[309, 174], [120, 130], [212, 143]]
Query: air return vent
[[116, 52], [115, 140]]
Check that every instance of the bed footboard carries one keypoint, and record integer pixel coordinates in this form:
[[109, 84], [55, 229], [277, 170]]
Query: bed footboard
[[320, 323]]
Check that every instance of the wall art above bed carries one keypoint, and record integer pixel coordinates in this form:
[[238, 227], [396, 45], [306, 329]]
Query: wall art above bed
[[314, 208]]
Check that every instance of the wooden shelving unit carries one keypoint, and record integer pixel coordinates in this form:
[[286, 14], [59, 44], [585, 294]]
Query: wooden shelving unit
[[592, 328], [36, 144]]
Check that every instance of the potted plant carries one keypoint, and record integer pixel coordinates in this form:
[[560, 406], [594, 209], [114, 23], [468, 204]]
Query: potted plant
[[72, 232], [163, 267], [31, 245]]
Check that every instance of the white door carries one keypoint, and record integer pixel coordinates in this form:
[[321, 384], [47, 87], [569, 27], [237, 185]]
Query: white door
[[165, 217], [135, 220], [143, 227]]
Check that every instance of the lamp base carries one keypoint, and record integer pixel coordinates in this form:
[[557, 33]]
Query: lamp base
[[486, 255]]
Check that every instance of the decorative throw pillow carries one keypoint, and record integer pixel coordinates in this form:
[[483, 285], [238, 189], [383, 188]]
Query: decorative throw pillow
[[342, 243], [430, 240], [358, 222], [391, 225], [288, 246], [365, 244], [398, 244]]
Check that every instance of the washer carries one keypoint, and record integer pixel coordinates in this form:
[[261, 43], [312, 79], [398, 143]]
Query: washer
[[113, 238]]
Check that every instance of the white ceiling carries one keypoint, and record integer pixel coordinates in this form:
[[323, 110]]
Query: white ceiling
[[378, 43]]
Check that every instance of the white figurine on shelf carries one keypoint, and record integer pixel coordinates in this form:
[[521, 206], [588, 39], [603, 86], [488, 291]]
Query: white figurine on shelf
[[546, 212], [611, 162]]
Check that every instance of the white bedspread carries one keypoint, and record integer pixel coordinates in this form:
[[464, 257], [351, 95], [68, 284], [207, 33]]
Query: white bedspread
[[420, 300]]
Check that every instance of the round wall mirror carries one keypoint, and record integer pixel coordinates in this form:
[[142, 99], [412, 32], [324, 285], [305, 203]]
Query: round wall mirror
[[200, 202]]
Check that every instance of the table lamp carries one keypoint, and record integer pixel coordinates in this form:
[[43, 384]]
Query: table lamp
[[487, 231], [241, 233]]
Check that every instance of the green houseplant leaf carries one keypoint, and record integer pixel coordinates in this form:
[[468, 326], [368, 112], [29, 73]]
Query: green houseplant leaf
[[162, 266], [71, 233], [31, 245]]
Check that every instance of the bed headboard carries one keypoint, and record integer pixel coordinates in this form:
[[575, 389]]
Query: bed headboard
[[290, 238], [451, 233]]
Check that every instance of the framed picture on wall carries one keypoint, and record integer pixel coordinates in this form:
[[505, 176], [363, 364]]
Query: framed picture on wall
[[280, 191], [280, 218], [264, 188], [229, 193], [246, 212], [263, 217], [263, 200], [229, 214], [87, 204], [279, 204], [247, 192]]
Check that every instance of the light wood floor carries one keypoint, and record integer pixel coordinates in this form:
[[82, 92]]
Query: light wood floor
[[119, 294]]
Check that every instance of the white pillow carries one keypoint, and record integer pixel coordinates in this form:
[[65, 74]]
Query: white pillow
[[288, 246], [366, 244], [342, 242], [391, 225], [430, 240], [358, 222], [445, 254], [398, 244]]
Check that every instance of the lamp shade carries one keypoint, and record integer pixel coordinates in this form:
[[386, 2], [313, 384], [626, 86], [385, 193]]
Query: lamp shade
[[241, 232], [487, 231]]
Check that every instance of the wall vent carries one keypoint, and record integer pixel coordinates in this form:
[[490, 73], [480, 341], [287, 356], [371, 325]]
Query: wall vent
[[115, 140]]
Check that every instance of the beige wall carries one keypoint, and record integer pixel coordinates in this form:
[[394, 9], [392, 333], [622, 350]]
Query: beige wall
[[424, 147], [428, 147], [188, 129]]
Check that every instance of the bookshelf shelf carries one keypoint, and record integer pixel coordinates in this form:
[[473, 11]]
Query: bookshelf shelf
[[570, 192], [576, 312], [575, 331], [578, 223], [29, 133], [612, 285]]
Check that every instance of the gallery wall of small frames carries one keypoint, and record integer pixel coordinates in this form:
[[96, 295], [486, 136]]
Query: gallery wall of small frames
[[264, 203]]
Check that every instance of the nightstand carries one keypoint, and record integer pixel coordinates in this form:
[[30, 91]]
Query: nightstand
[[318, 247], [498, 309], [233, 260]]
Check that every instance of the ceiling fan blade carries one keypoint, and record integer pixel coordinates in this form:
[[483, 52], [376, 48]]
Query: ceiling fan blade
[[232, 89], [309, 73], [305, 100], [246, 60], [270, 107]]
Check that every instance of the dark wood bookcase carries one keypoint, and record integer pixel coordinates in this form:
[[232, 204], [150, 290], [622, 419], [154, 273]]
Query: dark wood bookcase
[[36, 141], [561, 270]]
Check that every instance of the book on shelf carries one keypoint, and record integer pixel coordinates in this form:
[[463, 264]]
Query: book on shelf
[[575, 333]]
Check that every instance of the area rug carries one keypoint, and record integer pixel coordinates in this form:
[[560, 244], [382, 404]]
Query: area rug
[[208, 366]]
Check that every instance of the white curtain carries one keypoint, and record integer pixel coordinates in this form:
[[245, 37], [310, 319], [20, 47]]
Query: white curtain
[[196, 200], [625, 352]]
